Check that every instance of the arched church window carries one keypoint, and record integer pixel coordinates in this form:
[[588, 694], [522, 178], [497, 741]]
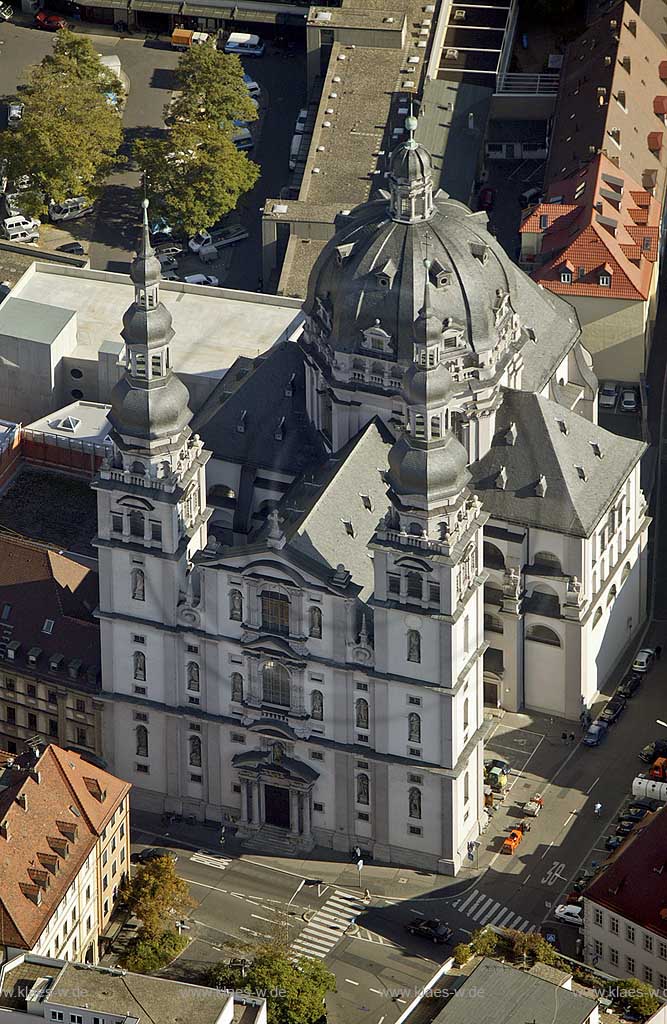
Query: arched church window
[[138, 585], [626, 572], [141, 736], [543, 635], [137, 523], [275, 612], [315, 622], [415, 529], [194, 743], [414, 803], [236, 605], [466, 787], [317, 705], [276, 684], [414, 580], [466, 713], [597, 617], [611, 596], [237, 687], [414, 645], [414, 728], [361, 713], [363, 788], [192, 676], [138, 469], [139, 664]]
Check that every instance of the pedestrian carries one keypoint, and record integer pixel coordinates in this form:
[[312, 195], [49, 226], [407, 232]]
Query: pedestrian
[[571, 737], [563, 737], [222, 836], [367, 895], [658, 652], [598, 809], [357, 853]]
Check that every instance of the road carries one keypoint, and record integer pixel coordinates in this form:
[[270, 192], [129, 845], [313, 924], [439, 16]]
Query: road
[[111, 233]]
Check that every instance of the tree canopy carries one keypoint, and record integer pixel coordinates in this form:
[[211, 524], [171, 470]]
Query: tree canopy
[[638, 996], [157, 896], [194, 171], [68, 138], [295, 989]]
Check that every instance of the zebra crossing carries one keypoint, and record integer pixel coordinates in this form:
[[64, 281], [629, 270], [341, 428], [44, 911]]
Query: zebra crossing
[[211, 860], [328, 925], [483, 909]]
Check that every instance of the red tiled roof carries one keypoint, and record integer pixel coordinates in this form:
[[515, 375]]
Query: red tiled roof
[[596, 226], [47, 841], [633, 883]]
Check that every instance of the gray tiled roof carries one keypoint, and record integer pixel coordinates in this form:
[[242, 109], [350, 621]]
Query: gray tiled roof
[[543, 447], [496, 993]]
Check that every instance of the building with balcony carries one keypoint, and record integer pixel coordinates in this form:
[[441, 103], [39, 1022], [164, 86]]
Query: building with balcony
[[64, 850]]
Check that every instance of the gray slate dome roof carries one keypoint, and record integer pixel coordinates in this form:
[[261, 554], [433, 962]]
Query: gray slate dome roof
[[438, 470], [432, 387], [150, 412], [150, 327], [349, 283], [410, 161]]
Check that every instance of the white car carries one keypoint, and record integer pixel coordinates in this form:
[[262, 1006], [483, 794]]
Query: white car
[[643, 660], [199, 240], [300, 125], [167, 262], [252, 86], [629, 400], [569, 913], [207, 279], [14, 114], [607, 395]]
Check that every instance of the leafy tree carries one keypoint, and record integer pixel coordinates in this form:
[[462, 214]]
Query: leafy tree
[[155, 894], [530, 947], [295, 990], [638, 996], [462, 952], [145, 954], [68, 138], [213, 91], [196, 174], [484, 941]]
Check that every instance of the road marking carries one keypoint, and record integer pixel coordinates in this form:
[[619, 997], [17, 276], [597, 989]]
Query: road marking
[[350, 982], [554, 874], [484, 910], [259, 918], [466, 902], [377, 992], [328, 925], [210, 860], [592, 784], [485, 906]]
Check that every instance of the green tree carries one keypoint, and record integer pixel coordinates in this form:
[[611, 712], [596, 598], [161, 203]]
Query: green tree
[[68, 138], [145, 954], [156, 895], [638, 996], [295, 989], [484, 941], [462, 952], [529, 947], [213, 92], [196, 174]]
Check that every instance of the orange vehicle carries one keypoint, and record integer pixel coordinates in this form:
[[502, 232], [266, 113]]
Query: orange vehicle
[[659, 769], [512, 841]]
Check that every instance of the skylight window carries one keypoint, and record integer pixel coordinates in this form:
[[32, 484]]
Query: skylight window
[[581, 472], [5, 613], [597, 451], [349, 528], [48, 626]]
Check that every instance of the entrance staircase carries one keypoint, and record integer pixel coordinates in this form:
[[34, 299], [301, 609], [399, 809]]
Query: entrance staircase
[[275, 841]]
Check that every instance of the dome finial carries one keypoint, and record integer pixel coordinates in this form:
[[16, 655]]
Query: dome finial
[[411, 128]]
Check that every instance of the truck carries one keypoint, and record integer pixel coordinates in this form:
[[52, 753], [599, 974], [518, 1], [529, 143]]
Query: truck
[[659, 769], [642, 786], [184, 38]]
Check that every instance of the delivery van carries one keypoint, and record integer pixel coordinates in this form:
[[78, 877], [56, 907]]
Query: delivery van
[[20, 229], [244, 45]]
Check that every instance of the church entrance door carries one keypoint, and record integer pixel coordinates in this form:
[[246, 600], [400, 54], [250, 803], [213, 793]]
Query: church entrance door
[[276, 806]]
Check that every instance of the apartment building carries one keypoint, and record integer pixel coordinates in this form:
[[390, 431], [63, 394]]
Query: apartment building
[[625, 918], [49, 649], [64, 848]]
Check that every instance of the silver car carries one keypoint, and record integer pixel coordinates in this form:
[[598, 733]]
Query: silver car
[[608, 395], [629, 400], [14, 114]]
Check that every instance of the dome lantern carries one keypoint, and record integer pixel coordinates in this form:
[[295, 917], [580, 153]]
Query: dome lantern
[[411, 179]]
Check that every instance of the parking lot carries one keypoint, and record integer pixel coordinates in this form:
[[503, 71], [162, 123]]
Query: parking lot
[[109, 235]]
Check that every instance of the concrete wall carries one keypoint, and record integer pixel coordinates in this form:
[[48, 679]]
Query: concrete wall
[[613, 332]]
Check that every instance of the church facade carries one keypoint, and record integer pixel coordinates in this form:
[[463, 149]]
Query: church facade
[[411, 511]]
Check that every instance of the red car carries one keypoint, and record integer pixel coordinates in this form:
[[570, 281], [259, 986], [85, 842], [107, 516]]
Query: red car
[[487, 198], [50, 22]]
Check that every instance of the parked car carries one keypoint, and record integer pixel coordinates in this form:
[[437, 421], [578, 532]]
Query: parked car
[[649, 805], [435, 930], [50, 22], [629, 402], [498, 762], [613, 710], [205, 279], [301, 119], [649, 753], [70, 209], [252, 86], [596, 733], [608, 395], [200, 239], [168, 249], [154, 853], [644, 660], [167, 262], [244, 44], [74, 248], [624, 828], [243, 140], [487, 198], [613, 842], [633, 814], [569, 914], [161, 238], [531, 197], [14, 114], [6, 12], [630, 685]]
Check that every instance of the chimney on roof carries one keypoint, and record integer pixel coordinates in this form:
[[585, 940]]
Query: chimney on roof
[[632, 26], [22, 801], [627, 64]]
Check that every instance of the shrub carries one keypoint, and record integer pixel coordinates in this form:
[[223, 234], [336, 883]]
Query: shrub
[[484, 942], [149, 953], [637, 996], [462, 952]]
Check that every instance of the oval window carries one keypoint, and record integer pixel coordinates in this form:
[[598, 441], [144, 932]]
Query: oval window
[[76, 393], [77, 374]]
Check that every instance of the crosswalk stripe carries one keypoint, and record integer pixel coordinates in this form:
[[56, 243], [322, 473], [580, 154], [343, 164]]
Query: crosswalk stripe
[[497, 916], [489, 913], [316, 940], [511, 921], [533, 928], [504, 917], [320, 953], [476, 904], [326, 929], [485, 906], [466, 902], [327, 926]]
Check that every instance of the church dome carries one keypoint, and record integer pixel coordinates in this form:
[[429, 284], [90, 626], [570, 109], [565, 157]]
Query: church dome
[[150, 412], [428, 387], [438, 470], [410, 162]]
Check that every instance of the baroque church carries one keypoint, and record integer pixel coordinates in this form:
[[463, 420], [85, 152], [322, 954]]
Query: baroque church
[[412, 514]]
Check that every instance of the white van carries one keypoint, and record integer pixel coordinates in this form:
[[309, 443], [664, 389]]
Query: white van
[[20, 229], [295, 146], [244, 44], [70, 209]]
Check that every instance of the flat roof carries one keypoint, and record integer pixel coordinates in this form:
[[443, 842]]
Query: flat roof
[[33, 320], [213, 326], [80, 421], [474, 39]]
